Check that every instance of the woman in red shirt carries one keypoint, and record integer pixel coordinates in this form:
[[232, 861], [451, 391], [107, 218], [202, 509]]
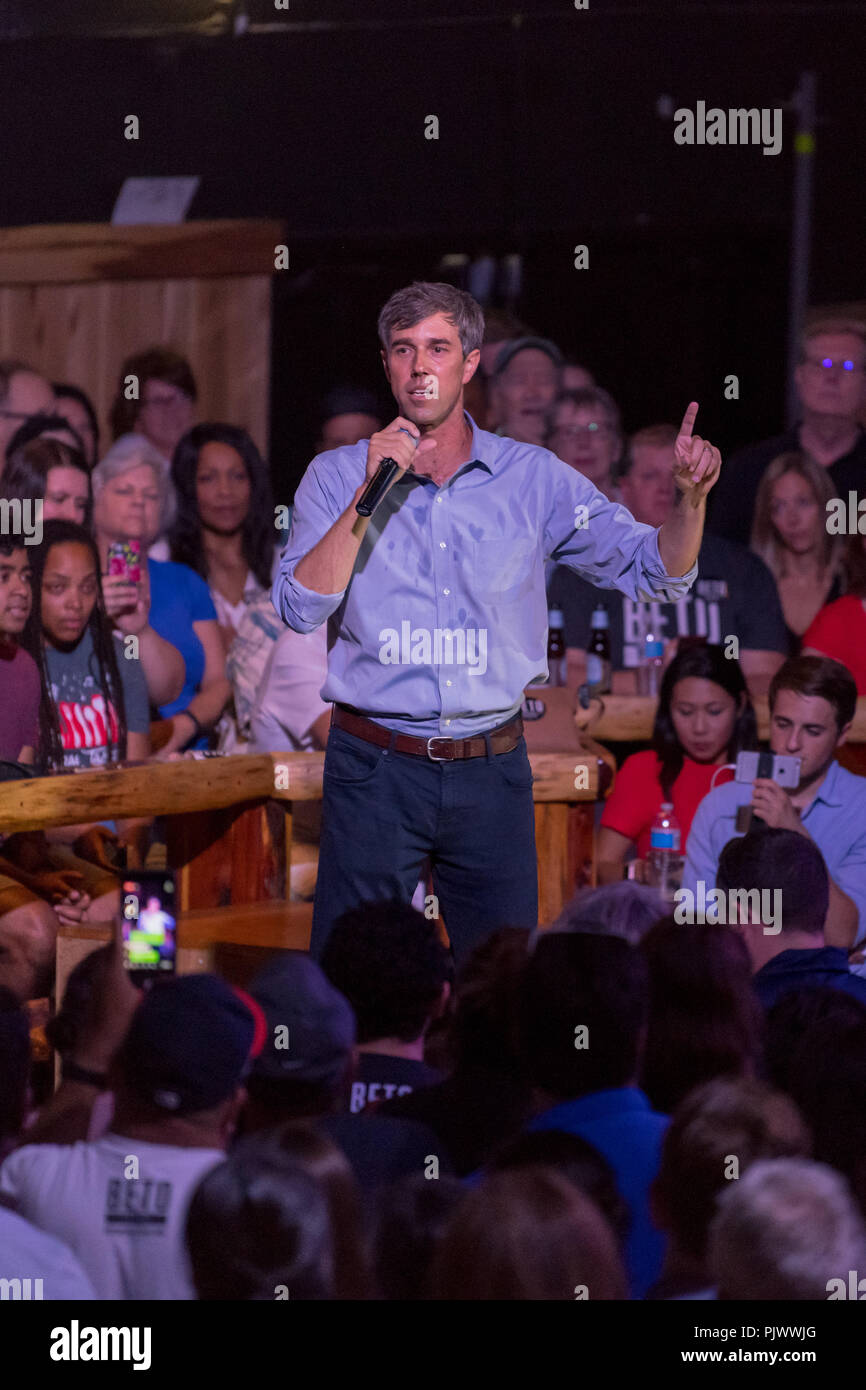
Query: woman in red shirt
[[704, 719], [839, 630]]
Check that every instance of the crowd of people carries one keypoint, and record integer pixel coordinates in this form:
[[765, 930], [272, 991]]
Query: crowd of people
[[619, 1105]]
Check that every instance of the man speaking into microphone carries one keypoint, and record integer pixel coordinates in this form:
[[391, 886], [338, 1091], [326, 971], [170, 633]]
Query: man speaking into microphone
[[437, 618]]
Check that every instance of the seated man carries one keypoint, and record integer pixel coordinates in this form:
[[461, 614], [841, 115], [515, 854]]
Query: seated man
[[389, 962], [831, 384], [734, 594], [812, 703], [349, 413], [792, 953], [583, 1017]]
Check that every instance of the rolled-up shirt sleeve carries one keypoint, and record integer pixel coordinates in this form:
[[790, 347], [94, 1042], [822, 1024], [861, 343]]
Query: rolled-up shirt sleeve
[[601, 541], [323, 494]]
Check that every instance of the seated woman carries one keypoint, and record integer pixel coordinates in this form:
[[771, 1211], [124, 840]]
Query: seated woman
[[789, 532], [224, 530], [58, 474], [93, 711], [132, 497], [839, 631], [704, 719]]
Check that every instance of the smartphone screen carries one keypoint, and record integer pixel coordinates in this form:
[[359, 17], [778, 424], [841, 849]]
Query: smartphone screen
[[124, 560], [149, 925]]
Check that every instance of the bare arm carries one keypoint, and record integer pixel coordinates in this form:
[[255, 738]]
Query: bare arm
[[696, 469], [610, 852], [210, 701]]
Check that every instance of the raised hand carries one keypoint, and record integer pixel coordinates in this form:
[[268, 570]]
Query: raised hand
[[697, 462]]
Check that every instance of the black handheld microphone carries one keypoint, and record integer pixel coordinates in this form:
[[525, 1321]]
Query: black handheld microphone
[[379, 483]]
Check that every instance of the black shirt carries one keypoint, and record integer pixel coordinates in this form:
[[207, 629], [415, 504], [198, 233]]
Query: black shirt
[[734, 594], [732, 500], [382, 1078]]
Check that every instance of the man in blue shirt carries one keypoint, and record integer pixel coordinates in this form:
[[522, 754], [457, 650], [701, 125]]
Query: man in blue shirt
[[584, 1002], [812, 703], [438, 620], [797, 956]]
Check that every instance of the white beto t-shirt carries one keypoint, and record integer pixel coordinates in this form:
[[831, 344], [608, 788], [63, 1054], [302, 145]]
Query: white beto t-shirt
[[34, 1265], [126, 1230]]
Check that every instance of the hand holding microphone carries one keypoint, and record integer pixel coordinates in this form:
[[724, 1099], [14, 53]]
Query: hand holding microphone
[[391, 452]]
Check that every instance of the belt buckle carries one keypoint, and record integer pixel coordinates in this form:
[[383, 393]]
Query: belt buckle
[[440, 738]]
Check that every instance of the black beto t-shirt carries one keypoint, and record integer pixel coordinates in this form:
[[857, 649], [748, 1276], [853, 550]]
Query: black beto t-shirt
[[734, 594], [383, 1078]]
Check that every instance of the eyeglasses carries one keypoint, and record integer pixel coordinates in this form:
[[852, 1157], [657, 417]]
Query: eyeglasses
[[577, 431], [827, 364]]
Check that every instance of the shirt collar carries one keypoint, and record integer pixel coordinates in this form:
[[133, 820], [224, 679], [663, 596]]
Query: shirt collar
[[830, 792]]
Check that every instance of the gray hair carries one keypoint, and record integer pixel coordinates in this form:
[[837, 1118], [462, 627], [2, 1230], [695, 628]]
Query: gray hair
[[784, 1230], [623, 909], [133, 451], [423, 298]]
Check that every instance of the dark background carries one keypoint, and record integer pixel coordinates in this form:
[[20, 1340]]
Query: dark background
[[549, 137]]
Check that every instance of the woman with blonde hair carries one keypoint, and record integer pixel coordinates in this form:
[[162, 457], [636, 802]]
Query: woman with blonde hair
[[789, 533]]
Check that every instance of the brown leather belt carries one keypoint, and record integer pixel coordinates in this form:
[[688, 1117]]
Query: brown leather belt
[[502, 740]]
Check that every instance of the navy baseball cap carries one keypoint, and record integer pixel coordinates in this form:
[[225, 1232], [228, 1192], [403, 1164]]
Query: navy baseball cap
[[191, 1042], [513, 346], [311, 1025]]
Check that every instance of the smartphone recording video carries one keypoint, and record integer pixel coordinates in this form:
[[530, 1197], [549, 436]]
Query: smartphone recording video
[[149, 925]]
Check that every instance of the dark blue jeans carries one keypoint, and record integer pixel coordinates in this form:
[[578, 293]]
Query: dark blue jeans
[[384, 812]]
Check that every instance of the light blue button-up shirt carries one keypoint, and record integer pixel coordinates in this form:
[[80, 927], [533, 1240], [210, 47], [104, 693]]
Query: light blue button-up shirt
[[444, 620], [835, 819]]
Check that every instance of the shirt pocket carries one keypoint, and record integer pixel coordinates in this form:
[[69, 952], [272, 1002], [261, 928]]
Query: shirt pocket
[[502, 570]]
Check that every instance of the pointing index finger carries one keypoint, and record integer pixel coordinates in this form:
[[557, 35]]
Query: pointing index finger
[[689, 419]]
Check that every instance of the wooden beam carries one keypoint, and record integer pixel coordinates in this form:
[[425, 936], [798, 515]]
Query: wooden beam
[[629, 719], [210, 784], [71, 253]]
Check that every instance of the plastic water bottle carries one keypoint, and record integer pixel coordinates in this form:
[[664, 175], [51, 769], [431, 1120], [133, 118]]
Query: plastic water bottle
[[665, 860], [651, 671]]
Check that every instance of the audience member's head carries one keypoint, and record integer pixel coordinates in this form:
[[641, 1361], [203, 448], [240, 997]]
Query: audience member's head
[[180, 1072], [14, 1066], [349, 413], [812, 700], [305, 1063], [575, 1159], [301, 1143], [48, 469], [259, 1229], [704, 1020], [576, 981], [784, 1231], [53, 426], [816, 1052], [831, 376], [623, 909], [222, 486], [769, 860], [584, 429], [528, 1234], [389, 962], [790, 517], [24, 392], [717, 1132], [500, 327], [133, 498], [63, 1030], [486, 1033], [412, 1216], [77, 409], [156, 396], [16, 594], [704, 712], [646, 475], [523, 387]]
